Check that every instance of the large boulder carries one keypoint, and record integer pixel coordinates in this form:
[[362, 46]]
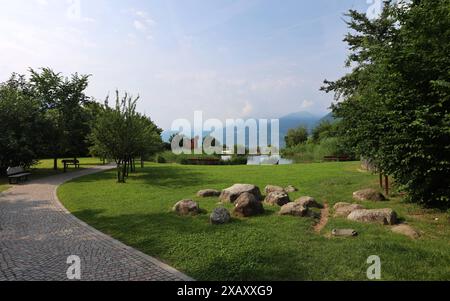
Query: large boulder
[[248, 205], [406, 230], [272, 188], [232, 193], [383, 216], [344, 209], [294, 209], [368, 195], [279, 198], [186, 207], [206, 193], [290, 189], [308, 202], [220, 216]]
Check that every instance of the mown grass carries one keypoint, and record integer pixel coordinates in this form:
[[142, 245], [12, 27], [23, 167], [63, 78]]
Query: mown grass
[[44, 168], [267, 247]]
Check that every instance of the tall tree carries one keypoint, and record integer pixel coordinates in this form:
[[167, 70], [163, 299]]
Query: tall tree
[[123, 134], [23, 124], [63, 100], [395, 104]]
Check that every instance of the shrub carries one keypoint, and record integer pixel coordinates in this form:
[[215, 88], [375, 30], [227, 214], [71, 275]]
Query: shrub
[[160, 159]]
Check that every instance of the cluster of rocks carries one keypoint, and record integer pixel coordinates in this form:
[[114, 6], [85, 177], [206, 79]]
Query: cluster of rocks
[[248, 201], [357, 212]]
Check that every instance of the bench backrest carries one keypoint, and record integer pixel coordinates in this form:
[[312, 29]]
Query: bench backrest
[[14, 170]]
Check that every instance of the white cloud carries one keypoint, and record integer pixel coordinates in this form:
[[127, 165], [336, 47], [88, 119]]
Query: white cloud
[[42, 2], [139, 26], [306, 104]]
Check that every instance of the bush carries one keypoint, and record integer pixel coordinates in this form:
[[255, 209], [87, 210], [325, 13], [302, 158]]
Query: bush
[[312, 152], [160, 159]]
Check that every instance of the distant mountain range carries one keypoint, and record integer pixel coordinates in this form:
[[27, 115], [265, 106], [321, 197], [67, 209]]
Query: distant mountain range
[[291, 121]]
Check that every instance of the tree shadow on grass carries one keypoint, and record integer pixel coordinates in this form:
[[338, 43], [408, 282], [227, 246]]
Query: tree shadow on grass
[[170, 177], [168, 236]]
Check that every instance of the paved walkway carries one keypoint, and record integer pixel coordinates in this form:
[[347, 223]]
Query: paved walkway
[[37, 235]]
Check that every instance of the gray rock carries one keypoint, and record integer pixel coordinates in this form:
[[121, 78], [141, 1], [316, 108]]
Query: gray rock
[[247, 205], [206, 193], [368, 195], [232, 193], [344, 232], [279, 198], [294, 209], [344, 209], [290, 189], [308, 202], [272, 188], [220, 216], [186, 207], [382, 216], [407, 230]]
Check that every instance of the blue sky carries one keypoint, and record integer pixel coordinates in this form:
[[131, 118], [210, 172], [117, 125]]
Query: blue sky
[[230, 59]]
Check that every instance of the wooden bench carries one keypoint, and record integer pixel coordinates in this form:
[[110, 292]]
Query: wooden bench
[[17, 173], [66, 163]]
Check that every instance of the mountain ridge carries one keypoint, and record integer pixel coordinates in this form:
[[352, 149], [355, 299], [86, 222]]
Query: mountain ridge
[[289, 121]]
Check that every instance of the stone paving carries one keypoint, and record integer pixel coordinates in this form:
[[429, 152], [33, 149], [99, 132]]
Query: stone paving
[[37, 235]]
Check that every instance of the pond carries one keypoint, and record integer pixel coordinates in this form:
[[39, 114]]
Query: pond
[[268, 160]]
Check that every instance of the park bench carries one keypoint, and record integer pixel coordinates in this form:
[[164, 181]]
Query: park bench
[[17, 173], [336, 158], [74, 162]]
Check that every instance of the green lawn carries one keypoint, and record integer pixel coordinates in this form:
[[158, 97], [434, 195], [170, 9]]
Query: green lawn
[[268, 247], [45, 168]]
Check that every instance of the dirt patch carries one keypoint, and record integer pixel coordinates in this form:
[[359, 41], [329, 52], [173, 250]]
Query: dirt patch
[[324, 213]]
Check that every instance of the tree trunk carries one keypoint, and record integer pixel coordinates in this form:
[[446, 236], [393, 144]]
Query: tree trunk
[[125, 172], [55, 163], [142, 162]]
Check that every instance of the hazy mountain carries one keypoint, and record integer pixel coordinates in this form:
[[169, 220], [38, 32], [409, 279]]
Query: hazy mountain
[[287, 122], [297, 119], [329, 117]]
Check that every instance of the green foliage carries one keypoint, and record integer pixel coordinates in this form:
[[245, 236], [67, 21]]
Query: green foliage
[[395, 104], [122, 134], [296, 136], [63, 101], [22, 122], [326, 129], [315, 152], [160, 159]]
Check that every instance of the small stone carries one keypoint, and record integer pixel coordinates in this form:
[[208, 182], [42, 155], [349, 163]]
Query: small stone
[[186, 207], [407, 230], [344, 232], [248, 205], [220, 216], [294, 209], [309, 202], [368, 195], [279, 198], [385, 216], [206, 193], [344, 209], [232, 193], [272, 188], [290, 189]]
